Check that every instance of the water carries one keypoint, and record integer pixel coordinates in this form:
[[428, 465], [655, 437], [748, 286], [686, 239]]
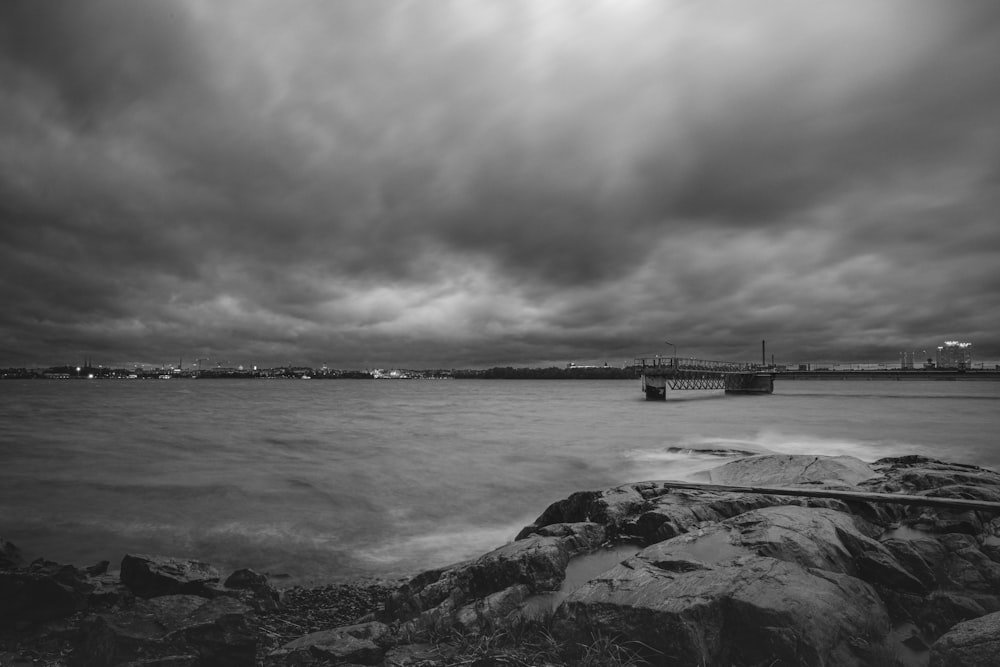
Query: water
[[324, 480]]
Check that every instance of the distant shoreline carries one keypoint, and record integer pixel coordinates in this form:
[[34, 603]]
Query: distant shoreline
[[497, 373], [893, 374]]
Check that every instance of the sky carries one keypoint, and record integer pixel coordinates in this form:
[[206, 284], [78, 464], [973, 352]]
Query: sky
[[474, 183]]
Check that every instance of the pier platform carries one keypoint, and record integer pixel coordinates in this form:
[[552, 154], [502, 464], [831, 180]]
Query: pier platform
[[660, 374]]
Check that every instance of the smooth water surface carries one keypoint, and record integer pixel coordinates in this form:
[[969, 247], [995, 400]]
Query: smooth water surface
[[322, 479]]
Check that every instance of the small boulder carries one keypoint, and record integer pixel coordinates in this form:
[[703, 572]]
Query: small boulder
[[974, 643], [10, 556], [252, 588], [153, 576], [245, 579]]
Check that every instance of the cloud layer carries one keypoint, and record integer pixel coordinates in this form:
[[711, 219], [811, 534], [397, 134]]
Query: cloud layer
[[462, 183]]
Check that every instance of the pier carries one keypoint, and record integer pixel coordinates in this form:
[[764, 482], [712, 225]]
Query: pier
[[660, 373]]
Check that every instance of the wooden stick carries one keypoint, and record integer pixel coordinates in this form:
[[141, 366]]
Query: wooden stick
[[857, 496]]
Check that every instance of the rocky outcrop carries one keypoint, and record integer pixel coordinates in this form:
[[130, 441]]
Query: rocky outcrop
[[490, 589], [172, 629], [720, 577], [156, 611], [915, 475], [837, 575], [775, 583], [748, 610]]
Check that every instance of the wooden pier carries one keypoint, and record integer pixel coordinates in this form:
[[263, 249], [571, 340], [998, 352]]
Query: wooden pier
[[677, 374]]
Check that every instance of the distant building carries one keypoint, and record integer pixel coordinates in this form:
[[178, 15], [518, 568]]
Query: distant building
[[954, 354], [906, 361]]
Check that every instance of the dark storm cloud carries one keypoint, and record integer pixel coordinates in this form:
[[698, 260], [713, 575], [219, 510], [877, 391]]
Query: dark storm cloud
[[100, 56], [486, 182]]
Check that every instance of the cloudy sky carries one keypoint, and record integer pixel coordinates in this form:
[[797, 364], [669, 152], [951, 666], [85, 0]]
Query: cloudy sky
[[463, 183]]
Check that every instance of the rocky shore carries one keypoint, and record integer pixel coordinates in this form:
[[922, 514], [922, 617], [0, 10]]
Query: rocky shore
[[643, 573]]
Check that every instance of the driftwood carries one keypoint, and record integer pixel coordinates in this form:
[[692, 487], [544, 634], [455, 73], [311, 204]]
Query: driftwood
[[850, 496]]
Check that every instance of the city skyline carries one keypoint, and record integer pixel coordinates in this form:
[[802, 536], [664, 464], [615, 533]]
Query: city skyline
[[474, 184], [946, 355]]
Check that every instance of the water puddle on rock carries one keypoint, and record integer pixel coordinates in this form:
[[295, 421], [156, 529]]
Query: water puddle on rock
[[579, 571], [714, 547]]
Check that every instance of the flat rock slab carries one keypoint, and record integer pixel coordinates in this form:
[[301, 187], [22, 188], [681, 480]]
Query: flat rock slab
[[797, 470]]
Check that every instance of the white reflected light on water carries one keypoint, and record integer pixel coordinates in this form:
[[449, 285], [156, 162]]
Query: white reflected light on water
[[330, 479]]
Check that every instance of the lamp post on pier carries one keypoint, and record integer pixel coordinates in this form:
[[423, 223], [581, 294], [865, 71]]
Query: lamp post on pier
[[674, 363]]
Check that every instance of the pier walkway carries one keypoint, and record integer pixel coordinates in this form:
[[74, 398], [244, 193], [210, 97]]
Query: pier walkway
[[676, 373]]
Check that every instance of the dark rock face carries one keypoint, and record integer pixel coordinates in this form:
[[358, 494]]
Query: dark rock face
[[153, 576], [42, 591], [178, 628]]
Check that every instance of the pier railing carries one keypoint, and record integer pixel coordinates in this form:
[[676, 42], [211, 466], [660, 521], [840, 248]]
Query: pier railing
[[687, 364]]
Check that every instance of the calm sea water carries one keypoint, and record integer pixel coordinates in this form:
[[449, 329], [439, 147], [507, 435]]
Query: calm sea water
[[323, 480]]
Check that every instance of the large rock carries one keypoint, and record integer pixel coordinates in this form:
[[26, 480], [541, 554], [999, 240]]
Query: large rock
[[488, 589], [610, 508], [355, 644], [254, 589], [172, 629], [746, 609], [153, 576], [974, 643]]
